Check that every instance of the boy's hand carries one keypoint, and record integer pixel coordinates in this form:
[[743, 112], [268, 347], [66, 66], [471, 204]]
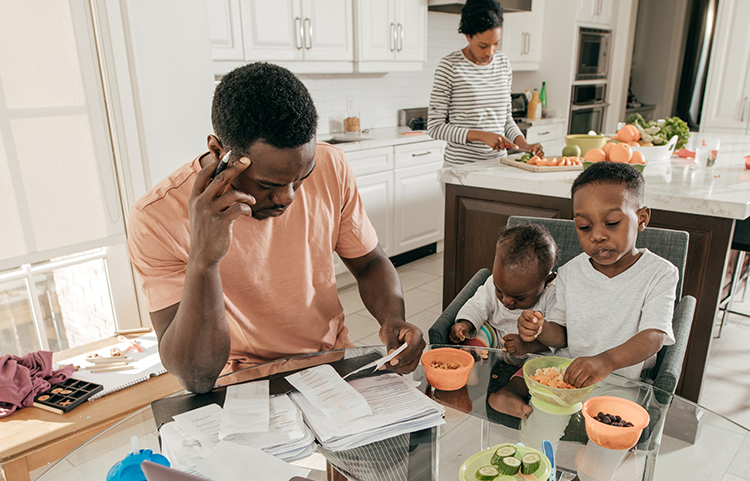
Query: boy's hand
[[530, 325], [460, 331], [514, 345], [585, 371]]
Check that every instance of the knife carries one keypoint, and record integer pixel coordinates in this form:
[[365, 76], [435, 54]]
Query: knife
[[550, 453], [378, 363]]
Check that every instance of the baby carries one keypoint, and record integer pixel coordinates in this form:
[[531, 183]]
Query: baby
[[614, 302], [521, 279]]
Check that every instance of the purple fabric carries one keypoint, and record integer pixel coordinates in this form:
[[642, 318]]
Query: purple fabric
[[23, 378]]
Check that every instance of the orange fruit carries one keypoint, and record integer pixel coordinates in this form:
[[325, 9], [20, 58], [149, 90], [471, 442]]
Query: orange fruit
[[607, 147], [595, 155], [620, 153], [628, 133], [634, 144], [542, 162], [637, 158], [554, 161], [533, 160]]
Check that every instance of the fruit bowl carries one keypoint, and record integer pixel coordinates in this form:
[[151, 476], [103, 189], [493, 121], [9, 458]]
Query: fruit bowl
[[447, 379], [614, 437], [554, 396], [586, 142], [658, 152], [638, 167]]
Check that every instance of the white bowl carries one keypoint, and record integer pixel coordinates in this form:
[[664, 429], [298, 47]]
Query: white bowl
[[659, 152]]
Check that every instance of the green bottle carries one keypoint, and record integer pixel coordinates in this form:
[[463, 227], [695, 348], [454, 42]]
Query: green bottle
[[543, 95]]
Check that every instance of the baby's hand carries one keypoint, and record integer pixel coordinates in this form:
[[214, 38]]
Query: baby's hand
[[514, 345], [530, 325], [585, 371], [460, 331]]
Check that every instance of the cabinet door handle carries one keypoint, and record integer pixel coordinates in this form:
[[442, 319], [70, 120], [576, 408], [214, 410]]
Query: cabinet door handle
[[392, 39], [299, 35], [422, 154], [308, 28], [599, 7], [528, 43], [400, 37], [543, 133], [742, 112]]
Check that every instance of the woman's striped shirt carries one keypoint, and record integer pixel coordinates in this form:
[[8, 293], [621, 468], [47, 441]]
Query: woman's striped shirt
[[466, 96]]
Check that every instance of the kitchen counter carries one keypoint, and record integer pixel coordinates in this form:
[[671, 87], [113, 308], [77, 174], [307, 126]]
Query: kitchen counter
[[703, 201], [374, 138], [675, 185]]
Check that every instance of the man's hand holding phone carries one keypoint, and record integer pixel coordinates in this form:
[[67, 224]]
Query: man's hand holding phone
[[214, 206]]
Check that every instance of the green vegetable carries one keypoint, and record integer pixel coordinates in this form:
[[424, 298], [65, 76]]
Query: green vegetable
[[509, 465], [676, 126], [524, 158], [486, 473], [503, 452], [637, 120], [531, 463]]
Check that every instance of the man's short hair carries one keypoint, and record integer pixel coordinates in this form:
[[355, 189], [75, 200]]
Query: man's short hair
[[615, 173], [527, 246], [262, 101]]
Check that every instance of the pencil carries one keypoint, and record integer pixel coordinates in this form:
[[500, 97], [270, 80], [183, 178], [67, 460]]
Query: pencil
[[111, 368], [109, 360], [140, 330]]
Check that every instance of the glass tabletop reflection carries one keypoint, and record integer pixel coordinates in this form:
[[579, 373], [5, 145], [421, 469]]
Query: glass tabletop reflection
[[677, 431]]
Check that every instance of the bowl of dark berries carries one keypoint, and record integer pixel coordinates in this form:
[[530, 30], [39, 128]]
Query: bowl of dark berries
[[613, 422]]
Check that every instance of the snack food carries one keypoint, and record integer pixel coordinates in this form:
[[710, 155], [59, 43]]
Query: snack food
[[552, 377], [612, 420], [446, 365]]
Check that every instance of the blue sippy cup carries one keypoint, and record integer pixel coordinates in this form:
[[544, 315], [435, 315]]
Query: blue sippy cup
[[129, 469]]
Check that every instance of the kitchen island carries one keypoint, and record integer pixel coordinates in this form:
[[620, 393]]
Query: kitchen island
[[703, 201]]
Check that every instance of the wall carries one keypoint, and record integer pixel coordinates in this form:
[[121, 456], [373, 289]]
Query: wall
[[657, 53], [379, 96]]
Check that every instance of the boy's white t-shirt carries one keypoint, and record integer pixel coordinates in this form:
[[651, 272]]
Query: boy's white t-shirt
[[601, 312], [484, 306]]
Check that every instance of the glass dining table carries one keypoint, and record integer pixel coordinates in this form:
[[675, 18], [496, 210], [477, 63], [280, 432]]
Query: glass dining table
[[682, 440]]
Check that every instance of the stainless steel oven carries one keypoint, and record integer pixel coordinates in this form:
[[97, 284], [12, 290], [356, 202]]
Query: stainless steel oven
[[588, 104], [593, 54]]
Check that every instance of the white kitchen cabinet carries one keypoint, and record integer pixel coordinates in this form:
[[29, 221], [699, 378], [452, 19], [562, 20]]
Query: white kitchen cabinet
[[522, 37], [225, 28], [306, 36], [390, 35], [595, 12], [727, 96], [419, 206], [550, 135]]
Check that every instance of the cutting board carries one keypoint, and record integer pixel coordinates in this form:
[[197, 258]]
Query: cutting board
[[537, 168]]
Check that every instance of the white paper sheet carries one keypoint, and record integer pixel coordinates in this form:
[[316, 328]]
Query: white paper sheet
[[285, 426], [202, 423], [246, 409], [232, 462], [329, 393]]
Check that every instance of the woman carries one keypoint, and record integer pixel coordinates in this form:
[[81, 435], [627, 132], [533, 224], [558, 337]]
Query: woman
[[470, 102]]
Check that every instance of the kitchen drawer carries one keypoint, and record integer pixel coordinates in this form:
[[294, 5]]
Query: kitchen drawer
[[545, 133], [371, 161], [418, 153]]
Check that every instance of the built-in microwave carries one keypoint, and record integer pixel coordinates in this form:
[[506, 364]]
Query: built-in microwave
[[587, 107], [593, 54]]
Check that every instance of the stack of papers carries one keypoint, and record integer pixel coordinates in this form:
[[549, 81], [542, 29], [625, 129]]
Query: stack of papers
[[397, 407], [249, 419]]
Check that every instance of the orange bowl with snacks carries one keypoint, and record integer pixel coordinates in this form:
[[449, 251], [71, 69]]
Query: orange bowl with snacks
[[624, 421], [543, 376], [446, 368]]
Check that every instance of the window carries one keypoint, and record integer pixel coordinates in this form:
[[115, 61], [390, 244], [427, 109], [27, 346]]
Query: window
[[64, 275]]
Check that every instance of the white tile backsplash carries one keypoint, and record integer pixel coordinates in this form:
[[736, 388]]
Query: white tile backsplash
[[378, 96]]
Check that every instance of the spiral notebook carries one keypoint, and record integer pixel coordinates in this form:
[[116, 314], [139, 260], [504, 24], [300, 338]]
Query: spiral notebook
[[145, 365]]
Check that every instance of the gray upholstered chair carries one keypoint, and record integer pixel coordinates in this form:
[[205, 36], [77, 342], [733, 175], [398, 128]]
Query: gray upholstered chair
[[669, 244]]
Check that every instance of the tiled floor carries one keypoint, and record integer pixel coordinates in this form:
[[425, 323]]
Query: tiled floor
[[726, 385]]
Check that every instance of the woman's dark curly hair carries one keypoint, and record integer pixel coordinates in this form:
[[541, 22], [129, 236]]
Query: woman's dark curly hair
[[262, 101], [478, 16]]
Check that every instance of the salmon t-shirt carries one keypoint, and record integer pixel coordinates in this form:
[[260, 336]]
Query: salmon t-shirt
[[278, 277]]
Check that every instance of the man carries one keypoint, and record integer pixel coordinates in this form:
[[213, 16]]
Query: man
[[238, 269]]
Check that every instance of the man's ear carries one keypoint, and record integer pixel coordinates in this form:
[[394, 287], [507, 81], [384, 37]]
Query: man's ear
[[215, 147], [551, 277], [644, 217]]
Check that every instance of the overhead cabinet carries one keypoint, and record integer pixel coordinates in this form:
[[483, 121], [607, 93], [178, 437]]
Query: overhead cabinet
[[307, 36], [319, 36], [595, 12], [726, 106], [390, 34], [522, 37]]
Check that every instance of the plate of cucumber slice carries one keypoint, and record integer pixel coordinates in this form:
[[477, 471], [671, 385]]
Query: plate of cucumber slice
[[506, 462]]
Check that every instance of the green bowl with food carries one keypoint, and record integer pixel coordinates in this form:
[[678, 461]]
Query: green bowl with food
[[544, 378], [585, 142]]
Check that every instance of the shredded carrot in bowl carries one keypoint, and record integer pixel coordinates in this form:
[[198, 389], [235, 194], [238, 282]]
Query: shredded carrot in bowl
[[551, 377]]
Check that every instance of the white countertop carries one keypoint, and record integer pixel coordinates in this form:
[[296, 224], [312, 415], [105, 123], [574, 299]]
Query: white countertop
[[374, 138], [675, 185]]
